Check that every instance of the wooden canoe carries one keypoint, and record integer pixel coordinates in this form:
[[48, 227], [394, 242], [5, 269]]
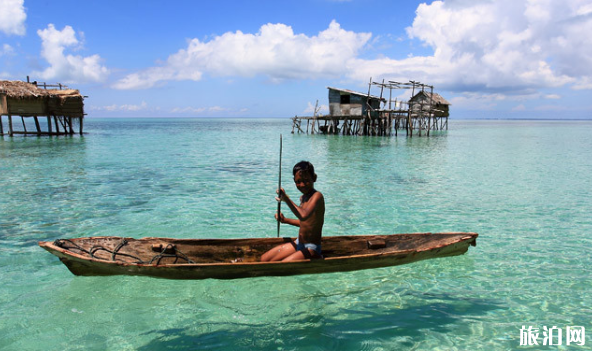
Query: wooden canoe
[[240, 258]]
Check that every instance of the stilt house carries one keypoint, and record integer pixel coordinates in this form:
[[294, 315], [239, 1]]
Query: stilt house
[[343, 102], [424, 101], [62, 107], [353, 113]]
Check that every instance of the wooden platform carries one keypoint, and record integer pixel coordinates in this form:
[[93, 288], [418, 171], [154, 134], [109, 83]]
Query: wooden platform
[[388, 123]]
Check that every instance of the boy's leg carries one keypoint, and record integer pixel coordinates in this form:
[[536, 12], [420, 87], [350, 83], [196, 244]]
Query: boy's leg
[[304, 254], [279, 252]]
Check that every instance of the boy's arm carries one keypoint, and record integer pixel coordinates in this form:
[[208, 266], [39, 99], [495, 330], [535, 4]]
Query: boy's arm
[[306, 209], [290, 221]]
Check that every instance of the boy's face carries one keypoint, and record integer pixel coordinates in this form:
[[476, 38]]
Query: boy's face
[[304, 182]]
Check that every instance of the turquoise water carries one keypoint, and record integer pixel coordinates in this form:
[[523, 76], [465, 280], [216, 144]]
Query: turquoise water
[[524, 186]]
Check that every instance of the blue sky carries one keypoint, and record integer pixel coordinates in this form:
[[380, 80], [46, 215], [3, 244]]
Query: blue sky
[[490, 59]]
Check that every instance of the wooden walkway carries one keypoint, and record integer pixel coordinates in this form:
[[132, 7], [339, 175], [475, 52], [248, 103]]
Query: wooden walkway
[[387, 123]]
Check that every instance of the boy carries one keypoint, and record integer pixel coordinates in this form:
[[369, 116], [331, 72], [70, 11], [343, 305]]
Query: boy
[[310, 218]]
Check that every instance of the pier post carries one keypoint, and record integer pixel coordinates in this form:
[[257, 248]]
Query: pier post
[[10, 131], [24, 126], [55, 119], [37, 125]]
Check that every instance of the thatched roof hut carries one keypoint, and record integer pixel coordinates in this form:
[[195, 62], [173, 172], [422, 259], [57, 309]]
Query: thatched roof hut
[[62, 106], [27, 99]]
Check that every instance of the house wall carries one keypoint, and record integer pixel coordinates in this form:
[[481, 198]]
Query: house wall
[[69, 107], [355, 107], [3, 105], [441, 110], [25, 107]]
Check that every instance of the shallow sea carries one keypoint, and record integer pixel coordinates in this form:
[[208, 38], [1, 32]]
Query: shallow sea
[[524, 186]]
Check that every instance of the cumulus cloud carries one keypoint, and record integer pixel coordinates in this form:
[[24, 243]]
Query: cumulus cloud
[[6, 50], [275, 51], [212, 110], [485, 47], [493, 46], [69, 68], [12, 17], [124, 107]]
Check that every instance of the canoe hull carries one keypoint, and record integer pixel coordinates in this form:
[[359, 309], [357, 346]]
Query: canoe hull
[[79, 264]]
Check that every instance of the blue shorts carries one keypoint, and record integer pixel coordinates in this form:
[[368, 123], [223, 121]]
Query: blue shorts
[[314, 247]]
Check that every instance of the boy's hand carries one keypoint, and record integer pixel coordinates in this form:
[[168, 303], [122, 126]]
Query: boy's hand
[[282, 195], [281, 218]]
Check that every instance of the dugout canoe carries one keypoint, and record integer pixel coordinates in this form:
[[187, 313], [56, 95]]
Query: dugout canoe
[[240, 258]]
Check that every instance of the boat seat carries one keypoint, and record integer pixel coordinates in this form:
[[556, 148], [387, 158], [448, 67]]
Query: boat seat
[[376, 244]]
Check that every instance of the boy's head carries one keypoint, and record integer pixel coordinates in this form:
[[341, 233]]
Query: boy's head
[[305, 167]]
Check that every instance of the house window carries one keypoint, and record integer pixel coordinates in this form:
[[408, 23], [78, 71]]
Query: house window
[[345, 99]]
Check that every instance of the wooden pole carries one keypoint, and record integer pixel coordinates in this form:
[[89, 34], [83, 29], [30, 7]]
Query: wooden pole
[[10, 131], [49, 126], [81, 118], [279, 187], [37, 125], [1, 127], [55, 119], [24, 126]]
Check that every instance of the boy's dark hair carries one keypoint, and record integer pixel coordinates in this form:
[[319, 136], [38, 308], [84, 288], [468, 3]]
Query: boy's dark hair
[[305, 166]]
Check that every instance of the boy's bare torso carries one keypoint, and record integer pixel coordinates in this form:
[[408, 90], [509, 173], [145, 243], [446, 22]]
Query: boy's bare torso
[[311, 228]]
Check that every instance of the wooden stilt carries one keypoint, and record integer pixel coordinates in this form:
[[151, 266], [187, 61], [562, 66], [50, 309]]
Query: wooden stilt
[[24, 126], [10, 130], [81, 124], [37, 125], [49, 126], [55, 119], [1, 127]]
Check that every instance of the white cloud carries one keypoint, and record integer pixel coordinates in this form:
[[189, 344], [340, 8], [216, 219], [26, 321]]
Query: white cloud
[[6, 50], [12, 17], [126, 107], [310, 109], [583, 83], [509, 48], [200, 110], [275, 51], [69, 68], [191, 110], [493, 46]]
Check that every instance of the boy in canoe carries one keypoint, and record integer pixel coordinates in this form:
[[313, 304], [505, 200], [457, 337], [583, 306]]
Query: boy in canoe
[[310, 217]]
